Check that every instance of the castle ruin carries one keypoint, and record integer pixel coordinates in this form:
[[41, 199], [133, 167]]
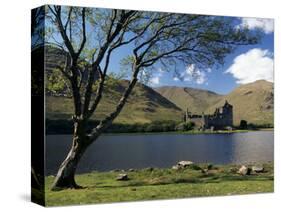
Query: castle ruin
[[222, 118]]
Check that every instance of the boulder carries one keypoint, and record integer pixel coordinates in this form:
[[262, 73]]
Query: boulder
[[244, 170], [258, 169], [131, 170], [185, 163], [176, 167], [210, 166], [205, 171], [233, 170], [122, 177]]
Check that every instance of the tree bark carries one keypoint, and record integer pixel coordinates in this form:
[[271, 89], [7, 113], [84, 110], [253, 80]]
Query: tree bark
[[65, 177]]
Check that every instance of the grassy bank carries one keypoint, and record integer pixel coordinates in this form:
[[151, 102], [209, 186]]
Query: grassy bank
[[147, 184]]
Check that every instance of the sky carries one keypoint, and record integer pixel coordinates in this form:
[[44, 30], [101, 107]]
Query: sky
[[245, 65]]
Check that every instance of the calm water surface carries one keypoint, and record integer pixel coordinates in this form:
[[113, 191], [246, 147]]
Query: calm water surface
[[163, 150]]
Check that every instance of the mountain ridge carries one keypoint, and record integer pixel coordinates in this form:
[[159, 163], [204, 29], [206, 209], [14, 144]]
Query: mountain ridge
[[253, 102]]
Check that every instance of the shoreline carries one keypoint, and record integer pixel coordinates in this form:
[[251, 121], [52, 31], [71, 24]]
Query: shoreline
[[192, 132]]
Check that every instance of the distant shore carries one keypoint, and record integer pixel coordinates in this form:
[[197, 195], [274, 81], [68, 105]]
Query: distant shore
[[62, 126], [190, 132]]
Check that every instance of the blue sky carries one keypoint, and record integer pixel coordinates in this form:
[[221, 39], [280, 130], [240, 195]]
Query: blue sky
[[247, 64]]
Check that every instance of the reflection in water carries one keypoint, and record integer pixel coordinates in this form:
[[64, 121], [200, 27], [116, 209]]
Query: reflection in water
[[261, 147], [163, 150]]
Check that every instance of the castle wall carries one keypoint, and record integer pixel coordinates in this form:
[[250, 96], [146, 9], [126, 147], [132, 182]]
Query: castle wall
[[222, 118], [199, 122], [219, 122]]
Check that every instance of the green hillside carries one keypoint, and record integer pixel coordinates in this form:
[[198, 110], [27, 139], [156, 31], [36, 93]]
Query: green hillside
[[252, 102], [143, 106]]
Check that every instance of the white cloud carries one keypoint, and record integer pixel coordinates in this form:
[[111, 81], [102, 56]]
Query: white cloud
[[176, 79], [267, 25], [192, 73], [256, 64], [155, 80]]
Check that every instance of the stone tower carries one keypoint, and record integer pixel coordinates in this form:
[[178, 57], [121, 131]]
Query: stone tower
[[227, 113]]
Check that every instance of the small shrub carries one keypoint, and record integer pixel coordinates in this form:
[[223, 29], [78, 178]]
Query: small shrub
[[185, 126], [195, 167], [243, 124]]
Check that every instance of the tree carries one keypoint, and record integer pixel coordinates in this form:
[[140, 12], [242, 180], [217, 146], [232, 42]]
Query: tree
[[154, 39], [185, 126], [243, 124]]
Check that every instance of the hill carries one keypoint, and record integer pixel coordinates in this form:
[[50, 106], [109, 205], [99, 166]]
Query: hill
[[252, 102], [196, 100], [143, 106]]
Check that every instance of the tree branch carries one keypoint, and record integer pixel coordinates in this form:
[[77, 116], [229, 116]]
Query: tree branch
[[143, 31], [96, 66], [109, 119], [84, 34], [111, 24], [64, 70], [157, 33], [57, 14], [68, 18], [74, 57]]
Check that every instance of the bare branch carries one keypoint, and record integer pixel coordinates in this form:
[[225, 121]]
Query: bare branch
[[114, 13], [118, 28], [96, 65], [109, 119], [68, 18], [64, 69], [74, 57], [119, 43], [84, 33], [157, 33], [57, 14], [100, 85]]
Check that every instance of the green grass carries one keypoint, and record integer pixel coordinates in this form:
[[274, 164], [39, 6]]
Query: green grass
[[101, 187]]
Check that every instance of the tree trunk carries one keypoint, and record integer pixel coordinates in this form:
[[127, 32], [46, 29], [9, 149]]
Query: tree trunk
[[65, 177]]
